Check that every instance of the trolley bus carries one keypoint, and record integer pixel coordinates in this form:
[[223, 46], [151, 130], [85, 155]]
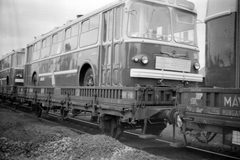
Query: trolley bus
[[11, 68], [126, 43]]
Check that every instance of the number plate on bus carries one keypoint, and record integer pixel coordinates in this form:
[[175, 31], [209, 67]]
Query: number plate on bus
[[173, 64]]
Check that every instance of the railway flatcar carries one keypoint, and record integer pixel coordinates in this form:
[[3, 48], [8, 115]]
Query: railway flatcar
[[215, 109], [122, 63]]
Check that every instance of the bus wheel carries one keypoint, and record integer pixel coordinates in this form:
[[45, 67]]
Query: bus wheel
[[34, 79], [88, 78]]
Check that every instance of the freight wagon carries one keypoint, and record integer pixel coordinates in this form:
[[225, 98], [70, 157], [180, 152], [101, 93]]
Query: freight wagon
[[215, 108]]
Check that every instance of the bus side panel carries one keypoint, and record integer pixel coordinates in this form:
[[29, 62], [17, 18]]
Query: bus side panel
[[45, 67], [29, 70], [72, 63], [5, 75]]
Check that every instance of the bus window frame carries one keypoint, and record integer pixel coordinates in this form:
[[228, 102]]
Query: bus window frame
[[174, 13], [83, 32], [169, 39], [59, 40], [37, 46], [47, 41], [71, 37], [14, 59], [120, 22], [20, 53]]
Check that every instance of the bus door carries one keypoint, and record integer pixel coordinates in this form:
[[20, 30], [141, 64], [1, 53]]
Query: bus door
[[111, 46]]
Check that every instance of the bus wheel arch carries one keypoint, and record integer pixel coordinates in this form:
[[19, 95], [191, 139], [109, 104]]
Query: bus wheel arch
[[7, 81], [86, 75], [34, 78]]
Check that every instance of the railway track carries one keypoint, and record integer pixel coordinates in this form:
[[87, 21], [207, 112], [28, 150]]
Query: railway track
[[130, 138]]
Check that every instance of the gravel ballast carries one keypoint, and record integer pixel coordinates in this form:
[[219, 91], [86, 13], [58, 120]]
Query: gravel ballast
[[25, 138]]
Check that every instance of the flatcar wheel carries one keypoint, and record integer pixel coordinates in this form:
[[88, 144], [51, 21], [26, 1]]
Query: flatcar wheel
[[45, 111], [38, 111], [15, 107], [93, 118], [115, 129], [75, 112], [119, 131], [206, 137], [64, 113], [113, 125], [31, 106]]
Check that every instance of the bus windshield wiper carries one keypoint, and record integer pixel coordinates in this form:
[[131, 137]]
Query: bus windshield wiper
[[174, 54]]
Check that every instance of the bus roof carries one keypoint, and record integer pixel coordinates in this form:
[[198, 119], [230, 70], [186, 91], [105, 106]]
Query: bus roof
[[182, 4], [14, 51]]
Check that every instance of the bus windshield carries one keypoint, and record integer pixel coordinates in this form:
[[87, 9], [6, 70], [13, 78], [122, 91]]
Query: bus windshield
[[20, 59], [153, 21], [149, 20], [184, 27]]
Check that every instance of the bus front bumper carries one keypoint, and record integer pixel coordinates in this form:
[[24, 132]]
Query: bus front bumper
[[161, 74]]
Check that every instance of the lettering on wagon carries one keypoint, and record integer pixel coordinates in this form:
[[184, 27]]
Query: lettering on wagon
[[232, 101], [234, 113]]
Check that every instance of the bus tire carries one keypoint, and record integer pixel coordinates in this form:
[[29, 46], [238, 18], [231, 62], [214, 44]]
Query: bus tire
[[88, 79], [34, 79]]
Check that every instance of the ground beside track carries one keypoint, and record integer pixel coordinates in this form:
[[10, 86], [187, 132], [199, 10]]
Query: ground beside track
[[23, 137], [159, 149]]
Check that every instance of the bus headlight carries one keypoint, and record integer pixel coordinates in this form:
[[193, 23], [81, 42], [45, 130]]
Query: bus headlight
[[144, 59], [196, 66], [19, 75], [136, 59]]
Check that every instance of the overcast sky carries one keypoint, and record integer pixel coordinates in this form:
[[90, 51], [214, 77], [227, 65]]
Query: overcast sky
[[22, 20]]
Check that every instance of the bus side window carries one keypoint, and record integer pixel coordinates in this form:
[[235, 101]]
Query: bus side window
[[29, 53], [57, 43], [36, 51], [14, 60], [71, 38], [89, 29], [110, 27], [45, 47], [20, 59], [105, 26], [118, 20]]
